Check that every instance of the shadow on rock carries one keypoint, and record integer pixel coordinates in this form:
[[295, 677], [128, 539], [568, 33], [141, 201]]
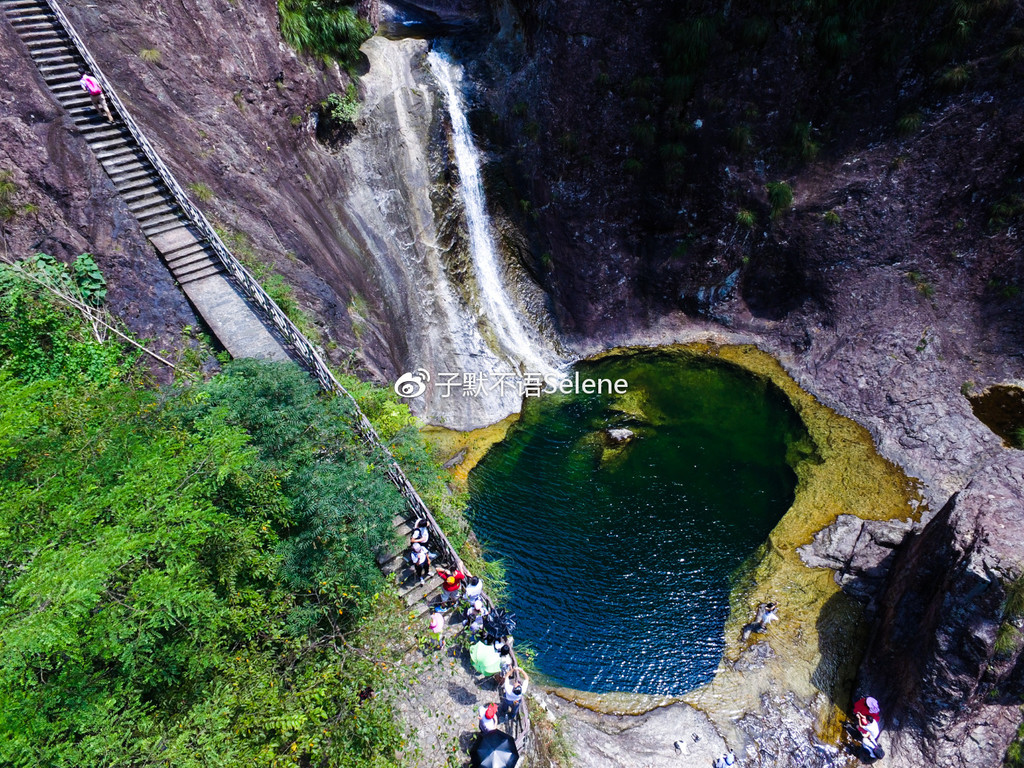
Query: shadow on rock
[[841, 640]]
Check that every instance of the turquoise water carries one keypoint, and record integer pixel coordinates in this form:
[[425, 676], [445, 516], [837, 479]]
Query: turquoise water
[[619, 560]]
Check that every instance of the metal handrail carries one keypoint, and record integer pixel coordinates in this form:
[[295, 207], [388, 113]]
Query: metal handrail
[[300, 346]]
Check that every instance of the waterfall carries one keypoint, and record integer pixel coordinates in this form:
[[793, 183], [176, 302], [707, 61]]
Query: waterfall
[[503, 317]]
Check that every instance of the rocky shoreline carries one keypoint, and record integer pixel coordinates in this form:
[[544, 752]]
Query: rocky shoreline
[[888, 318]]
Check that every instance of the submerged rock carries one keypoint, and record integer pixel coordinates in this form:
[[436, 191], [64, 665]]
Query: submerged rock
[[619, 435]]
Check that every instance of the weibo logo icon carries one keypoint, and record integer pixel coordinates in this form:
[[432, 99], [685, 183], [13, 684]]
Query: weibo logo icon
[[412, 384]]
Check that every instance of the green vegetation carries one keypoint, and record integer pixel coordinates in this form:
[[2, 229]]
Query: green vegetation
[[746, 218], [923, 286], [1007, 210], [327, 29], [150, 55], [909, 123], [955, 78], [9, 207], [832, 218], [1015, 752], [341, 109], [43, 338], [189, 576], [780, 197], [801, 142], [202, 191]]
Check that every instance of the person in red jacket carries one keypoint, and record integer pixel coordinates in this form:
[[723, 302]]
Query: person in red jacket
[[869, 715], [452, 583]]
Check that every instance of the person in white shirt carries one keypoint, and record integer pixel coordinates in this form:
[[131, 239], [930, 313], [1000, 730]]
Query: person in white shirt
[[512, 693], [488, 718]]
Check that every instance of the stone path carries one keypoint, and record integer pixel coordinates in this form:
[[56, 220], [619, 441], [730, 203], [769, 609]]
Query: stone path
[[194, 264]]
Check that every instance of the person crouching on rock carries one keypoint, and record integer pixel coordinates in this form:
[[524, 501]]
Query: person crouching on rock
[[869, 726], [766, 614]]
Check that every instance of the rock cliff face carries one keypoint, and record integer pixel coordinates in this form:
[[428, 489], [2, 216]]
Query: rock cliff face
[[619, 183], [75, 207], [951, 691]]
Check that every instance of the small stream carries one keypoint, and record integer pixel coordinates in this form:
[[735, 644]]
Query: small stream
[[620, 556]]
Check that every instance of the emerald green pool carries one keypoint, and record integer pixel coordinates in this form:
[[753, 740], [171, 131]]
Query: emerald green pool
[[620, 557]]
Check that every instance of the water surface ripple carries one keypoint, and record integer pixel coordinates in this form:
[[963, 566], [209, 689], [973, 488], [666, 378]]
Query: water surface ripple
[[619, 560]]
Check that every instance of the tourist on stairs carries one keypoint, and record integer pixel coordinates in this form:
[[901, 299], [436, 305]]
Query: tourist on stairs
[[92, 86], [420, 560], [450, 587]]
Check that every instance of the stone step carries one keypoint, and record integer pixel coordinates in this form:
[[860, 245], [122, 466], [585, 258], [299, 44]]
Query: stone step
[[152, 230], [63, 70], [185, 264], [31, 17], [141, 199], [201, 275], [152, 224], [131, 175], [49, 50], [190, 270], [426, 605], [102, 131], [141, 193], [123, 160], [141, 179], [415, 592], [187, 252], [24, 6], [49, 24], [42, 34], [393, 561], [105, 144], [151, 207], [156, 214]]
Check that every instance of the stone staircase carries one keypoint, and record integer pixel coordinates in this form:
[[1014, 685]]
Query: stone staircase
[[417, 597], [189, 257]]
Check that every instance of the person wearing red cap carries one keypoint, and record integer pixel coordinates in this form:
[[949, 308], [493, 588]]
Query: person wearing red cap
[[451, 583], [489, 718]]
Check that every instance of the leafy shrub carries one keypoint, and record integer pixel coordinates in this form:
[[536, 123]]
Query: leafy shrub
[[1006, 211], [832, 218], [644, 134], [780, 197], [91, 284], [802, 143], [150, 611], [755, 32], [632, 165], [42, 338], [746, 218], [325, 29], [339, 108], [922, 285], [741, 137]]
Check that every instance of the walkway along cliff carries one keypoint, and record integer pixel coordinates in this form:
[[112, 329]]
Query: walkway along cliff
[[230, 300]]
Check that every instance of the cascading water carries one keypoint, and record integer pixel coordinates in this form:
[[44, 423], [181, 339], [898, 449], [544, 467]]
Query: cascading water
[[515, 340]]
